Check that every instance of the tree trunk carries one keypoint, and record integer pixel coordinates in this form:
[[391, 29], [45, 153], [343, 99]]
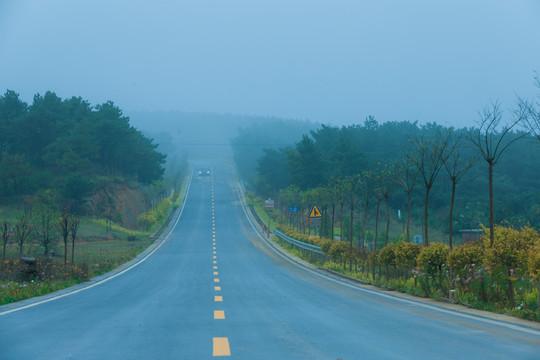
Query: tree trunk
[[538, 297], [511, 291], [452, 211], [323, 224], [352, 222], [426, 241], [65, 251], [333, 215], [73, 251], [408, 214], [491, 230], [341, 222], [387, 219], [377, 224], [364, 224]]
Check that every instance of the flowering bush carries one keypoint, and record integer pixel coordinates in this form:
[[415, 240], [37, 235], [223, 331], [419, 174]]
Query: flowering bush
[[508, 255], [48, 276], [484, 276]]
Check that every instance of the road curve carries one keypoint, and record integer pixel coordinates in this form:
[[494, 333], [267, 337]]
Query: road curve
[[214, 289]]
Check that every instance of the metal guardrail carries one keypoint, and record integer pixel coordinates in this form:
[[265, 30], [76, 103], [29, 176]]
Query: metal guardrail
[[304, 247]]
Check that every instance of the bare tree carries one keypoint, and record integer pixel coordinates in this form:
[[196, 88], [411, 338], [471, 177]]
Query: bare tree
[[385, 181], [324, 202], [430, 156], [492, 144], [340, 193], [63, 228], [379, 199], [46, 213], [456, 167], [406, 176], [73, 228], [351, 189], [530, 110], [378, 180], [366, 189], [22, 231], [335, 196], [6, 229]]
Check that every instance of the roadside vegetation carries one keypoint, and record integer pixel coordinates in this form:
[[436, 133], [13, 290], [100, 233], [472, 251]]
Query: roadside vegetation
[[99, 247], [404, 206], [503, 278], [81, 192]]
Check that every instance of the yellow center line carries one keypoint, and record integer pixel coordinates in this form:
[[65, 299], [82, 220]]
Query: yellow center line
[[217, 288], [215, 267], [215, 257], [219, 314], [216, 273], [221, 347], [216, 280], [214, 252], [218, 298], [215, 262]]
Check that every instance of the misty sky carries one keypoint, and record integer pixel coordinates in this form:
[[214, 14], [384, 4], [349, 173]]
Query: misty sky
[[327, 61]]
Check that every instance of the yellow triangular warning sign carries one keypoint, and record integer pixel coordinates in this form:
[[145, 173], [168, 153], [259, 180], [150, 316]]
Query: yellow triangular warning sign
[[315, 212]]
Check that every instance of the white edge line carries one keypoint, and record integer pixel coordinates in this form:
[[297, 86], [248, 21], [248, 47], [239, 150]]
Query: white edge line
[[373, 292], [117, 274]]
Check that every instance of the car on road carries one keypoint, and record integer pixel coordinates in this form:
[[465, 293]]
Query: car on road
[[204, 172]]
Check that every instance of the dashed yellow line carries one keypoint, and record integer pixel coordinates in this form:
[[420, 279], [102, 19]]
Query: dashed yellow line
[[220, 344], [221, 347], [219, 315]]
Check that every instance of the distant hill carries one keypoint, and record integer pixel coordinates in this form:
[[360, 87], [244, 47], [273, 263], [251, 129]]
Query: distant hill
[[200, 135]]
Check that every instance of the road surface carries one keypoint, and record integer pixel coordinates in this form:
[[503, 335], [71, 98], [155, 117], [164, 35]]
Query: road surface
[[214, 288]]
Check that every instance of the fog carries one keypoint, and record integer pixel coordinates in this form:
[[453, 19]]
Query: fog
[[325, 61]]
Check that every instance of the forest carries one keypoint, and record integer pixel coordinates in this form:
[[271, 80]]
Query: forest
[[69, 146], [429, 210], [381, 156]]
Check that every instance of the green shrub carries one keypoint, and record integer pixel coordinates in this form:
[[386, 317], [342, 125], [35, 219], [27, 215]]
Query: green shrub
[[462, 257], [509, 254], [406, 255], [432, 262]]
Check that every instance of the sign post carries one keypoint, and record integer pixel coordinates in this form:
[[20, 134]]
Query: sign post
[[269, 205], [293, 210], [315, 213]]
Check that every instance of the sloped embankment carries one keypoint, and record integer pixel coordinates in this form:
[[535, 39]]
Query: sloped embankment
[[119, 202]]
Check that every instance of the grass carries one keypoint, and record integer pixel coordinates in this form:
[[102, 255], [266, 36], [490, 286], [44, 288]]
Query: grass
[[100, 248], [527, 308]]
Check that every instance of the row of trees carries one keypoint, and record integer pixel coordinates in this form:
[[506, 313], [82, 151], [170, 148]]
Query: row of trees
[[336, 167], [66, 143], [43, 221]]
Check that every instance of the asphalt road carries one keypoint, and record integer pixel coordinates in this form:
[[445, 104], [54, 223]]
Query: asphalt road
[[214, 288]]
